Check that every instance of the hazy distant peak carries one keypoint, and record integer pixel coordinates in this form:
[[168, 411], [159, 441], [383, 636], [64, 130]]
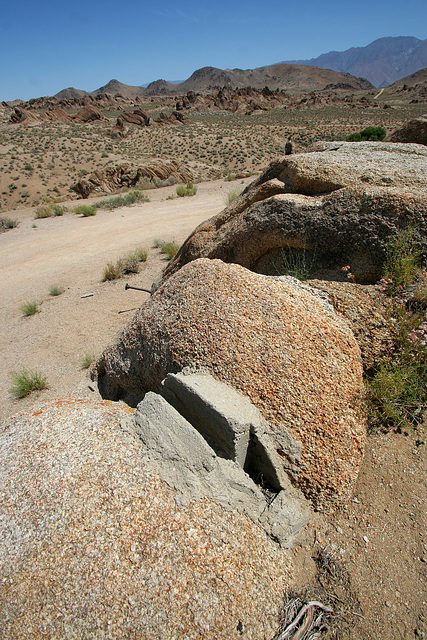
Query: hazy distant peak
[[382, 62]]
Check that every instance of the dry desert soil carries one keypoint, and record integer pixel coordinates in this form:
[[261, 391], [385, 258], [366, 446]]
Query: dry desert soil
[[369, 559]]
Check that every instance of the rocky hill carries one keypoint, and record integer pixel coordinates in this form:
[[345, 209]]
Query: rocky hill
[[382, 62]]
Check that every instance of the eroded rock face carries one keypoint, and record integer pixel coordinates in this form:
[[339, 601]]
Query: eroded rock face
[[275, 340], [341, 205], [94, 544], [127, 176], [413, 131]]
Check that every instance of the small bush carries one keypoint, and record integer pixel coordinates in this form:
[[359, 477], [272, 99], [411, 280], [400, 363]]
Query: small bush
[[188, 189], [7, 223], [87, 360], [50, 210], [375, 134], [25, 382], [54, 290], [29, 308], [231, 196], [113, 271], [403, 258], [86, 210], [168, 248], [294, 262]]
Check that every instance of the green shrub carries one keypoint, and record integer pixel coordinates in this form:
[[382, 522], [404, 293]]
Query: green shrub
[[86, 210], [54, 290], [396, 388], [188, 189], [7, 223], [374, 134], [25, 382], [29, 308]]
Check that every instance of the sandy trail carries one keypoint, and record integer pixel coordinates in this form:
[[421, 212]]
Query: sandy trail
[[71, 251]]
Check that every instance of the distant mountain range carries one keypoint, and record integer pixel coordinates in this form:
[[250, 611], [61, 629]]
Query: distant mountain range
[[291, 77], [379, 64], [382, 62]]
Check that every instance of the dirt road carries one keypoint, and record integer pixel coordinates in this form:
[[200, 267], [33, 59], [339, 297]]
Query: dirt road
[[71, 251]]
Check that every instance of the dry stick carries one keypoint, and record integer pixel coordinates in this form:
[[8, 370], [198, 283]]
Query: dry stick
[[305, 608]]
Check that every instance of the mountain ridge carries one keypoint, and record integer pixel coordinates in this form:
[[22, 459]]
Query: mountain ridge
[[382, 62]]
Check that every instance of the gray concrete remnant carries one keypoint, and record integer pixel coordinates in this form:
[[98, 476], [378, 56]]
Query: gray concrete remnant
[[183, 459], [222, 415], [229, 422]]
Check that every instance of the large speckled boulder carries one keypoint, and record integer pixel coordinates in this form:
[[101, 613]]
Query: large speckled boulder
[[338, 205], [94, 545], [275, 340]]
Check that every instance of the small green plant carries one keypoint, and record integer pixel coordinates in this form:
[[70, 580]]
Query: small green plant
[[55, 290], [231, 196], [375, 134], [29, 308], [86, 210], [7, 223], [168, 248], [188, 189], [403, 258], [25, 382], [87, 360], [294, 262]]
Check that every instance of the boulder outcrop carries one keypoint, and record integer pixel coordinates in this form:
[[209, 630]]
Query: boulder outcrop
[[413, 131], [275, 340], [338, 205], [88, 114], [126, 176], [95, 544]]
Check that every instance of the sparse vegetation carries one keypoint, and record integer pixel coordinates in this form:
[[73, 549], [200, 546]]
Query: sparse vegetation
[[7, 223], [125, 265], [188, 189], [122, 201], [25, 382], [29, 308], [397, 386]]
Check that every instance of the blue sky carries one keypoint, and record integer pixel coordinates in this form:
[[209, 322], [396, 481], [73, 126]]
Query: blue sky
[[46, 46]]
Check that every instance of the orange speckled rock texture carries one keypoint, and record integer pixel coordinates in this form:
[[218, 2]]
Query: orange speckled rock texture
[[94, 546], [275, 340]]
